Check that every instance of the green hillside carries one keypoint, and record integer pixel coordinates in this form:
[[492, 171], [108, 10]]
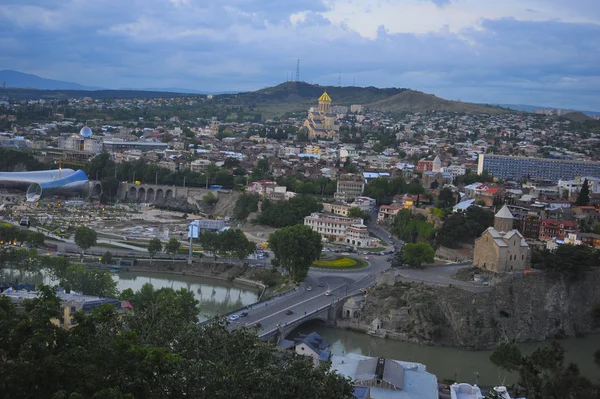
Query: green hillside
[[298, 96]]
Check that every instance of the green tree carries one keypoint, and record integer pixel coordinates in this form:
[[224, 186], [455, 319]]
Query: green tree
[[154, 247], [172, 246], [507, 356], [85, 238], [245, 204], [90, 281], [210, 242], [415, 254], [446, 198], [583, 198], [36, 239], [356, 212], [157, 352], [107, 258], [209, 198], [296, 247]]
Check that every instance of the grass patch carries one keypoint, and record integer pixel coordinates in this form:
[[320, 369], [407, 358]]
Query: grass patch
[[341, 263]]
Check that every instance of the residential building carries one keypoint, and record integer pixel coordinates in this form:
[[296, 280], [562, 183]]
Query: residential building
[[322, 122], [424, 165], [348, 190], [589, 239], [591, 213], [314, 346], [338, 208], [339, 229], [387, 378], [356, 108], [387, 213], [548, 169], [455, 170], [266, 188], [501, 249], [199, 165], [556, 229]]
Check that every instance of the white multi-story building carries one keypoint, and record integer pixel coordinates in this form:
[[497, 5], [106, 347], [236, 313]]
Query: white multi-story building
[[339, 229], [455, 170]]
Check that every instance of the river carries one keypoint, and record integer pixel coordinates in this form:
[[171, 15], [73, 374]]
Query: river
[[216, 296], [220, 296], [447, 362]]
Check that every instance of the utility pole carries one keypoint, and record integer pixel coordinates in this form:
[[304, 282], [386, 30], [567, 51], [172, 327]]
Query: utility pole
[[156, 179], [184, 181], [134, 177]]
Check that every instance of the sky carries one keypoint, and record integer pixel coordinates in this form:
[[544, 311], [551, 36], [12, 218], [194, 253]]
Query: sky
[[538, 52]]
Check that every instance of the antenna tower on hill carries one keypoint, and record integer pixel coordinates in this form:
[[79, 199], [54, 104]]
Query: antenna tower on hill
[[298, 70], [340, 80]]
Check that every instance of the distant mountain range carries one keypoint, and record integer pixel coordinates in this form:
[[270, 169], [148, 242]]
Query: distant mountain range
[[531, 108], [285, 96], [16, 79]]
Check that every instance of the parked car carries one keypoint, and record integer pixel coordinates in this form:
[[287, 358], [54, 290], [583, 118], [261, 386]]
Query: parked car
[[289, 312], [366, 258]]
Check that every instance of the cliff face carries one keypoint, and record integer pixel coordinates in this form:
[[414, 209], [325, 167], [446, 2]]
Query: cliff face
[[520, 308]]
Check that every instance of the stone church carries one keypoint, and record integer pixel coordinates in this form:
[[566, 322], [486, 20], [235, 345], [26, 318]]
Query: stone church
[[501, 248], [322, 123]]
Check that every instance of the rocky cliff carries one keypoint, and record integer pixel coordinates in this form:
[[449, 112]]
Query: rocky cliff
[[520, 308]]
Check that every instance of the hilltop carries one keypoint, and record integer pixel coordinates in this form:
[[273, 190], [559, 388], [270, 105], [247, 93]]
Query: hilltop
[[294, 96]]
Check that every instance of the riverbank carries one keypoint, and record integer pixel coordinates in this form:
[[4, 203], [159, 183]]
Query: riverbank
[[217, 271]]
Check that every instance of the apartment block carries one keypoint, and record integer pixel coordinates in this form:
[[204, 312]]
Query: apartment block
[[520, 168]]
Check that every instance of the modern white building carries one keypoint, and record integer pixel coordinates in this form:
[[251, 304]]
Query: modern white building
[[387, 378], [341, 230], [455, 170]]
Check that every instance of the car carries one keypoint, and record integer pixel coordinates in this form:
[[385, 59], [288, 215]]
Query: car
[[243, 314], [233, 317], [321, 284], [345, 253], [257, 325], [366, 258], [309, 288], [327, 293], [289, 312]]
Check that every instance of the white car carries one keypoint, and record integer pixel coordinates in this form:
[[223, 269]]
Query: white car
[[233, 317], [327, 293], [309, 288]]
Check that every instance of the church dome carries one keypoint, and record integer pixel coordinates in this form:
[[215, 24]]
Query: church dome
[[325, 97], [85, 132]]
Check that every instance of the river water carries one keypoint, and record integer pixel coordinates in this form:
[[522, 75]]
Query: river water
[[215, 296], [219, 296], [447, 362]]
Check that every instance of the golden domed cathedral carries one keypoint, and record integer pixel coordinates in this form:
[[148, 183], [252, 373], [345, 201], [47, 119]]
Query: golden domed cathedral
[[322, 123]]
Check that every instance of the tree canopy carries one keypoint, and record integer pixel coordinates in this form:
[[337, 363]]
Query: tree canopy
[[464, 227], [583, 198], [95, 282], [154, 246], [172, 246], [156, 352], [411, 227], [415, 254], [85, 237], [296, 248], [288, 213]]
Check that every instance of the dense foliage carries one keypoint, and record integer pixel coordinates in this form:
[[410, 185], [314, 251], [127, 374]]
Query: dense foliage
[[245, 204], [416, 254], [10, 233], [155, 352], [18, 161], [464, 227], [287, 213], [566, 260], [231, 242], [411, 227], [296, 248], [543, 374]]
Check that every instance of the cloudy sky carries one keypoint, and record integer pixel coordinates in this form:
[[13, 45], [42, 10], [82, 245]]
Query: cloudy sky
[[540, 52]]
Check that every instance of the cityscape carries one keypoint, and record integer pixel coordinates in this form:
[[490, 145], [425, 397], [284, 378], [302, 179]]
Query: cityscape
[[239, 235]]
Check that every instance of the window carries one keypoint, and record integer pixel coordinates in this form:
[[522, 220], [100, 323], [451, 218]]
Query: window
[[73, 310]]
